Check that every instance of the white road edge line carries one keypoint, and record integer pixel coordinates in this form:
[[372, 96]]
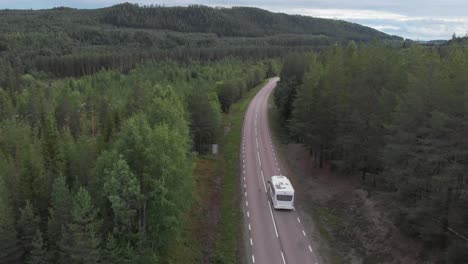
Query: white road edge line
[[259, 161], [272, 218], [282, 255]]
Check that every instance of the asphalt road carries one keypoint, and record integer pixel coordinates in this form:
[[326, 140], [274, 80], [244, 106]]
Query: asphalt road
[[273, 236]]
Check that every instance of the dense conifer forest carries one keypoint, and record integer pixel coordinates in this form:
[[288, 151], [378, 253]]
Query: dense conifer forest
[[64, 42], [99, 169], [103, 113], [397, 119]]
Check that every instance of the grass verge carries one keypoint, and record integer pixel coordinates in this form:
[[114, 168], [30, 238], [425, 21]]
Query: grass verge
[[191, 247], [216, 210], [229, 244]]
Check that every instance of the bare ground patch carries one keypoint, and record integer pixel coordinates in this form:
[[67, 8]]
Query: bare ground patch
[[208, 187]]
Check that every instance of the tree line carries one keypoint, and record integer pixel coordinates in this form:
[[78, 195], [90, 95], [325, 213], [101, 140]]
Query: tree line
[[99, 169], [398, 118], [235, 22], [66, 42]]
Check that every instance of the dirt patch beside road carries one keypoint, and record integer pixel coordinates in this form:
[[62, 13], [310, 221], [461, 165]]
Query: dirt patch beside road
[[348, 226]]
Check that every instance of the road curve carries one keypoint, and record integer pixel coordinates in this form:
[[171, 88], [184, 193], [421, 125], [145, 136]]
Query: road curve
[[272, 236]]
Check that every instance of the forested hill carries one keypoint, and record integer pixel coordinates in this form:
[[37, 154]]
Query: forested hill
[[63, 42], [236, 21]]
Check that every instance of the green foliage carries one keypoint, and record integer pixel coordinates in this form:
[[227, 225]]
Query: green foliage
[[205, 110], [50, 149], [397, 117], [65, 42], [127, 139], [28, 225], [38, 252], [83, 230], [292, 74], [10, 249], [59, 215], [229, 92], [237, 21], [123, 192]]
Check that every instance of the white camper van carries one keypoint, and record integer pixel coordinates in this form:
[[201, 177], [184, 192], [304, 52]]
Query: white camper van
[[281, 192]]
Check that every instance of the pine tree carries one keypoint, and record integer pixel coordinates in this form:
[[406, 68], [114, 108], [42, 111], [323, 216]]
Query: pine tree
[[84, 246], [28, 224], [123, 191], [59, 215], [10, 250], [111, 253], [50, 149], [38, 253], [206, 118]]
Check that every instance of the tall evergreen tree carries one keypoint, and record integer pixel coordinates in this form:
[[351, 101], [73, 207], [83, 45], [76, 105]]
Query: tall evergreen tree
[[38, 252], [10, 249], [50, 141], [123, 191], [206, 117], [28, 223], [59, 215], [83, 243]]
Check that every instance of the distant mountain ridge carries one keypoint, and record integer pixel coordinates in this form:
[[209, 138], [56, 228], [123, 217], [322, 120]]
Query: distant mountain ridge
[[73, 42], [235, 22]]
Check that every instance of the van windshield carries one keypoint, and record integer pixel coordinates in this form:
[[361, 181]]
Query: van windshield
[[286, 198]]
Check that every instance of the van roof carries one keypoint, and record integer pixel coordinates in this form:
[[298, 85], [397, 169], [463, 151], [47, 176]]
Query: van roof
[[282, 183]]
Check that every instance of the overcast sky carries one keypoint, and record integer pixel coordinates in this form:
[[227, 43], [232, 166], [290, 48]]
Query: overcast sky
[[414, 19]]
